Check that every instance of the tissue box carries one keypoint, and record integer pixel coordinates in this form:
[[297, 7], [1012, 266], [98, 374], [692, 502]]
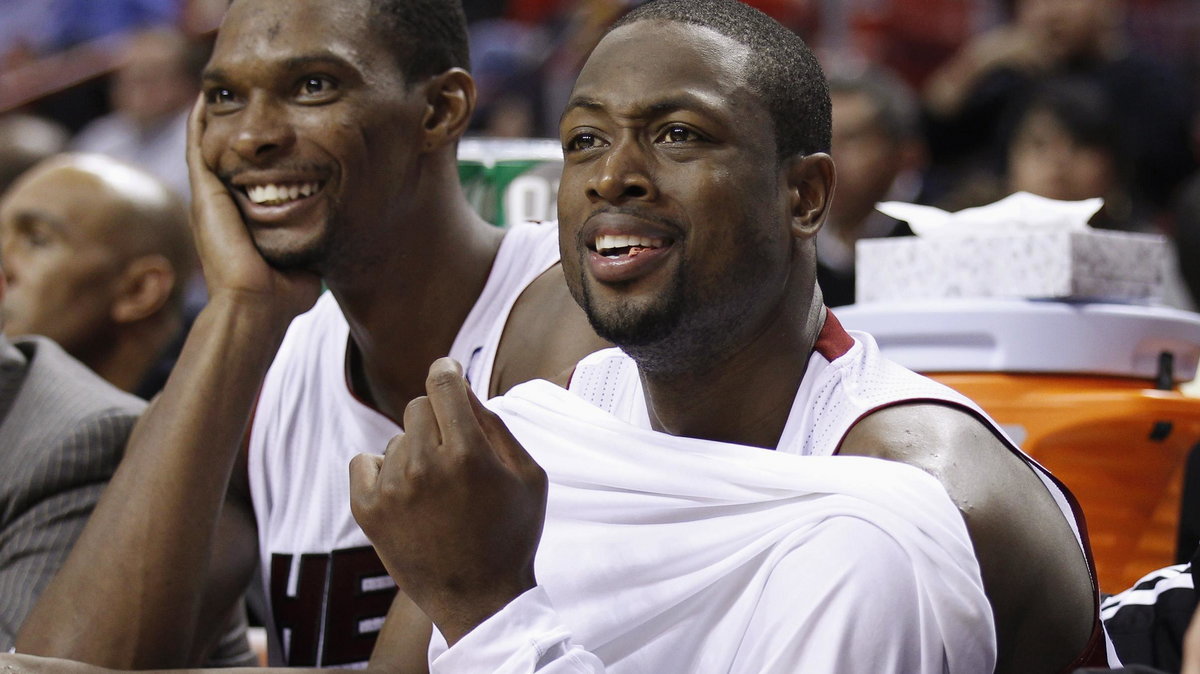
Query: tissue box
[[1089, 264]]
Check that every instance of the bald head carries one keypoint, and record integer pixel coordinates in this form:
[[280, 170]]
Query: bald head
[[91, 247]]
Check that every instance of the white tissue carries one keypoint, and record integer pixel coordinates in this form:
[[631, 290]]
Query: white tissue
[[1019, 212]]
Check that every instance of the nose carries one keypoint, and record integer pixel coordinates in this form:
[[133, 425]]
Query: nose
[[265, 130], [622, 174]]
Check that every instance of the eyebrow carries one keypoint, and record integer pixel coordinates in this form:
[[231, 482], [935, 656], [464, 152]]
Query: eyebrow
[[29, 216], [294, 63], [656, 109]]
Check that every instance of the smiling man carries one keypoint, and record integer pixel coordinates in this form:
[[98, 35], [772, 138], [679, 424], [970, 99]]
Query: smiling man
[[323, 150], [674, 539]]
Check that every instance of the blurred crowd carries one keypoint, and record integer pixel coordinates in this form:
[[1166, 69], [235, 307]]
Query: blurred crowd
[[951, 103]]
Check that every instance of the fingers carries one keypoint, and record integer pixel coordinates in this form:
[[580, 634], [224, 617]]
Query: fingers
[[450, 397], [195, 128], [505, 447], [421, 424], [364, 477], [201, 179]]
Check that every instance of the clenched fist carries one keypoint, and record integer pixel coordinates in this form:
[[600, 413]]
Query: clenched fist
[[455, 506]]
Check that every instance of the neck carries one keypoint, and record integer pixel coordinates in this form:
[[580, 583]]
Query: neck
[[134, 351], [746, 397], [406, 309]]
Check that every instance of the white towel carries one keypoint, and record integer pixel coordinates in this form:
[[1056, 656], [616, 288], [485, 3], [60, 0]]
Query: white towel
[[666, 554]]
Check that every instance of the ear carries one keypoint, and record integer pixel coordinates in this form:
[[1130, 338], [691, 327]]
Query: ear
[[143, 289], [450, 101], [810, 185]]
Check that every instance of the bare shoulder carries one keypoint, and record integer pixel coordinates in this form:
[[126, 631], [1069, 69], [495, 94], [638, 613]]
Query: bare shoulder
[[546, 334], [947, 442], [1033, 568]]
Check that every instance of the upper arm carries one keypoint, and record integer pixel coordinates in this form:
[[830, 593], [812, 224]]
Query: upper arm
[[1034, 570], [546, 334], [850, 599]]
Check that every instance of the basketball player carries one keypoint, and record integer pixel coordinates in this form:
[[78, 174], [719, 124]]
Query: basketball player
[[690, 198], [323, 150]]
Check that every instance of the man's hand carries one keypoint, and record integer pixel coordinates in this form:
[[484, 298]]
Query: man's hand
[[232, 265], [455, 506]]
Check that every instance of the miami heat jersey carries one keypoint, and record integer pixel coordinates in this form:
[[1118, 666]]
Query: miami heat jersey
[[847, 378], [327, 591]]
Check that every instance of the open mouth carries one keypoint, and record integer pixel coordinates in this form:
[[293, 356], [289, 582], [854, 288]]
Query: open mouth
[[278, 194], [615, 246]]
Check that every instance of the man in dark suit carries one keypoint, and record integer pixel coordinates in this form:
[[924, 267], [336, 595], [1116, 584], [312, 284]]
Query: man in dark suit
[[62, 431]]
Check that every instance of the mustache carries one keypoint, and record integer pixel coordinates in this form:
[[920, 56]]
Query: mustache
[[229, 175], [635, 213]]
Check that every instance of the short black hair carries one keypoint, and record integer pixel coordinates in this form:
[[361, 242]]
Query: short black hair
[[1082, 108], [784, 71], [427, 37]]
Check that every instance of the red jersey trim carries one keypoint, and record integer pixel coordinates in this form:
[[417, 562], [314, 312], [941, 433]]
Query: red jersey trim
[[833, 341]]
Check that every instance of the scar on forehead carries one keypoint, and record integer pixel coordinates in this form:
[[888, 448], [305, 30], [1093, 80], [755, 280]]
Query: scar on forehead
[[273, 31]]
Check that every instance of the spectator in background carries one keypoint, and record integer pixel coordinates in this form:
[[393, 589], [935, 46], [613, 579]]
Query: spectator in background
[[506, 59], [152, 91], [24, 141], [968, 98], [63, 430], [1066, 145], [96, 253], [78, 21], [38, 27], [879, 153]]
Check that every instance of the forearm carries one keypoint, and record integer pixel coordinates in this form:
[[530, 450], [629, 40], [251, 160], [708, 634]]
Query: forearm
[[131, 590], [24, 664]]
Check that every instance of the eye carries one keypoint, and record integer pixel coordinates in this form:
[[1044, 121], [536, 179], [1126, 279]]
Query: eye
[[220, 99], [316, 89], [35, 234], [677, 133], [581, 141], [219, 96]]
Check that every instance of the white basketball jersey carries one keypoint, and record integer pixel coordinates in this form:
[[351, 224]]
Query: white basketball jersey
[[847, 379], [327, 592]]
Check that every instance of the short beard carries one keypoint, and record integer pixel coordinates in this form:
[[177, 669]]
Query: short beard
[[627, 327], [313, 258], [308, 259], [651, 336], [685, 332]]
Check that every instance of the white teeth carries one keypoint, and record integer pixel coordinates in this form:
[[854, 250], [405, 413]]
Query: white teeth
[[610, 242], [273, 195]]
